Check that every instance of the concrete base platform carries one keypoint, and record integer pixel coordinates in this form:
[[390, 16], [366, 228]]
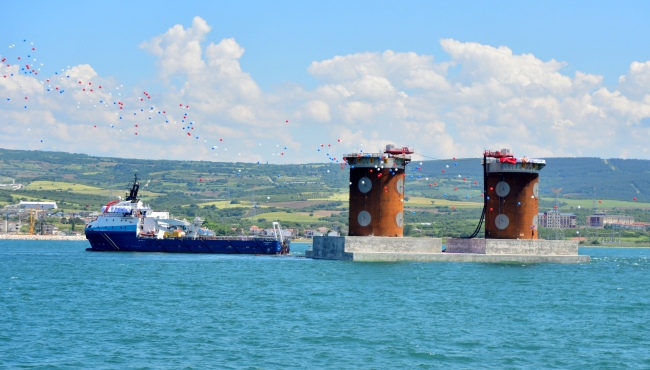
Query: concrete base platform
[[537, 247], [386, 249]]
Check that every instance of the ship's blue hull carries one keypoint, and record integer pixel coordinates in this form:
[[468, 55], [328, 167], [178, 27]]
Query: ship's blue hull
[[102, 240]]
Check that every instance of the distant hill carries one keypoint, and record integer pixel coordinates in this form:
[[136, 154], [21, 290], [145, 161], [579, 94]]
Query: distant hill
[[616, 179]]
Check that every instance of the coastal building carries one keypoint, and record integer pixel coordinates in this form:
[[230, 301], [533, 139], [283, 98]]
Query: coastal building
[[10, 227], [556, 219], [37, 205], [49, 229], [600, 219]]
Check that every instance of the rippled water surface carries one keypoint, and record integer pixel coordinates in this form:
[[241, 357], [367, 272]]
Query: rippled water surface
[[63, 307]]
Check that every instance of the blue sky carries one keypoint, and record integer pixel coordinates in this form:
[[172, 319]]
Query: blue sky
[[283, 39]]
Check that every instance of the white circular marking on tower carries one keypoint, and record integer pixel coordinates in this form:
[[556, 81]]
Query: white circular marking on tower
[[501, 221], [400, 186], [502, 189], [364, 218], [399, 219], [365, 185]]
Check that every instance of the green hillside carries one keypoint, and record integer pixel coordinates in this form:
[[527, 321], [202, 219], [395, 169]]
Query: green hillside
[[310, 195]]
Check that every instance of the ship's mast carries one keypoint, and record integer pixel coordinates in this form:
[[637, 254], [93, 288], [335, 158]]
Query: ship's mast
[[133, 196]]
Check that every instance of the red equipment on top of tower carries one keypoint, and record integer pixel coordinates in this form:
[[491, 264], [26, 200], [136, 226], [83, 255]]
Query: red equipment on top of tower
[[390, 149], [504, 156], [504, 153]]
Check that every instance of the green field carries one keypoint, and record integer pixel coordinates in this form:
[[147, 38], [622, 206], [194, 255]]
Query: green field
[[80, 188], [283, 216]]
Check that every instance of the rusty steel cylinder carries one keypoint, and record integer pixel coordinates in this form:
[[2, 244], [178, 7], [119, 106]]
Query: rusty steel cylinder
[[376, 194], [512, 200]]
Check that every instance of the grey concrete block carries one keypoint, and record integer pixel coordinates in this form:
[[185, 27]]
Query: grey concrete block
[[532, 247], [375, 244], [329, 248], [457, 245]]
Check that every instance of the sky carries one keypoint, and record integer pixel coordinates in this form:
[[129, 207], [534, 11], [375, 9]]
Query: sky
[[296, 82]]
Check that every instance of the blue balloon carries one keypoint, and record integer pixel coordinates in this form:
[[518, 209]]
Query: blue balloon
[[445, 194], [518, 203], [488, 198]]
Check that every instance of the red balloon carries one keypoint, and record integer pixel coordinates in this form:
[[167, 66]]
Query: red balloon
[[136, 133], [635, 199]]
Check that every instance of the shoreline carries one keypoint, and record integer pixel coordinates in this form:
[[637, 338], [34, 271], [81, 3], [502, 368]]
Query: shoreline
[[42, 237]]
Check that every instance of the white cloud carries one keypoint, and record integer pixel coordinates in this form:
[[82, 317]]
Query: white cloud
[[496, 99], [318, 110]]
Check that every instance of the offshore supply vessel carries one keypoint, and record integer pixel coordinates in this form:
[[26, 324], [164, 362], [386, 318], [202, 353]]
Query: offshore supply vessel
[[130, 226]]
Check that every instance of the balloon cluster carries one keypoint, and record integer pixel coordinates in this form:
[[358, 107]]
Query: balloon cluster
[[132, 113]]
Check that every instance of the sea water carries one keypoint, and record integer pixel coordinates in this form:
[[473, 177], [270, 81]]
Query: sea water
[[63, 307]]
